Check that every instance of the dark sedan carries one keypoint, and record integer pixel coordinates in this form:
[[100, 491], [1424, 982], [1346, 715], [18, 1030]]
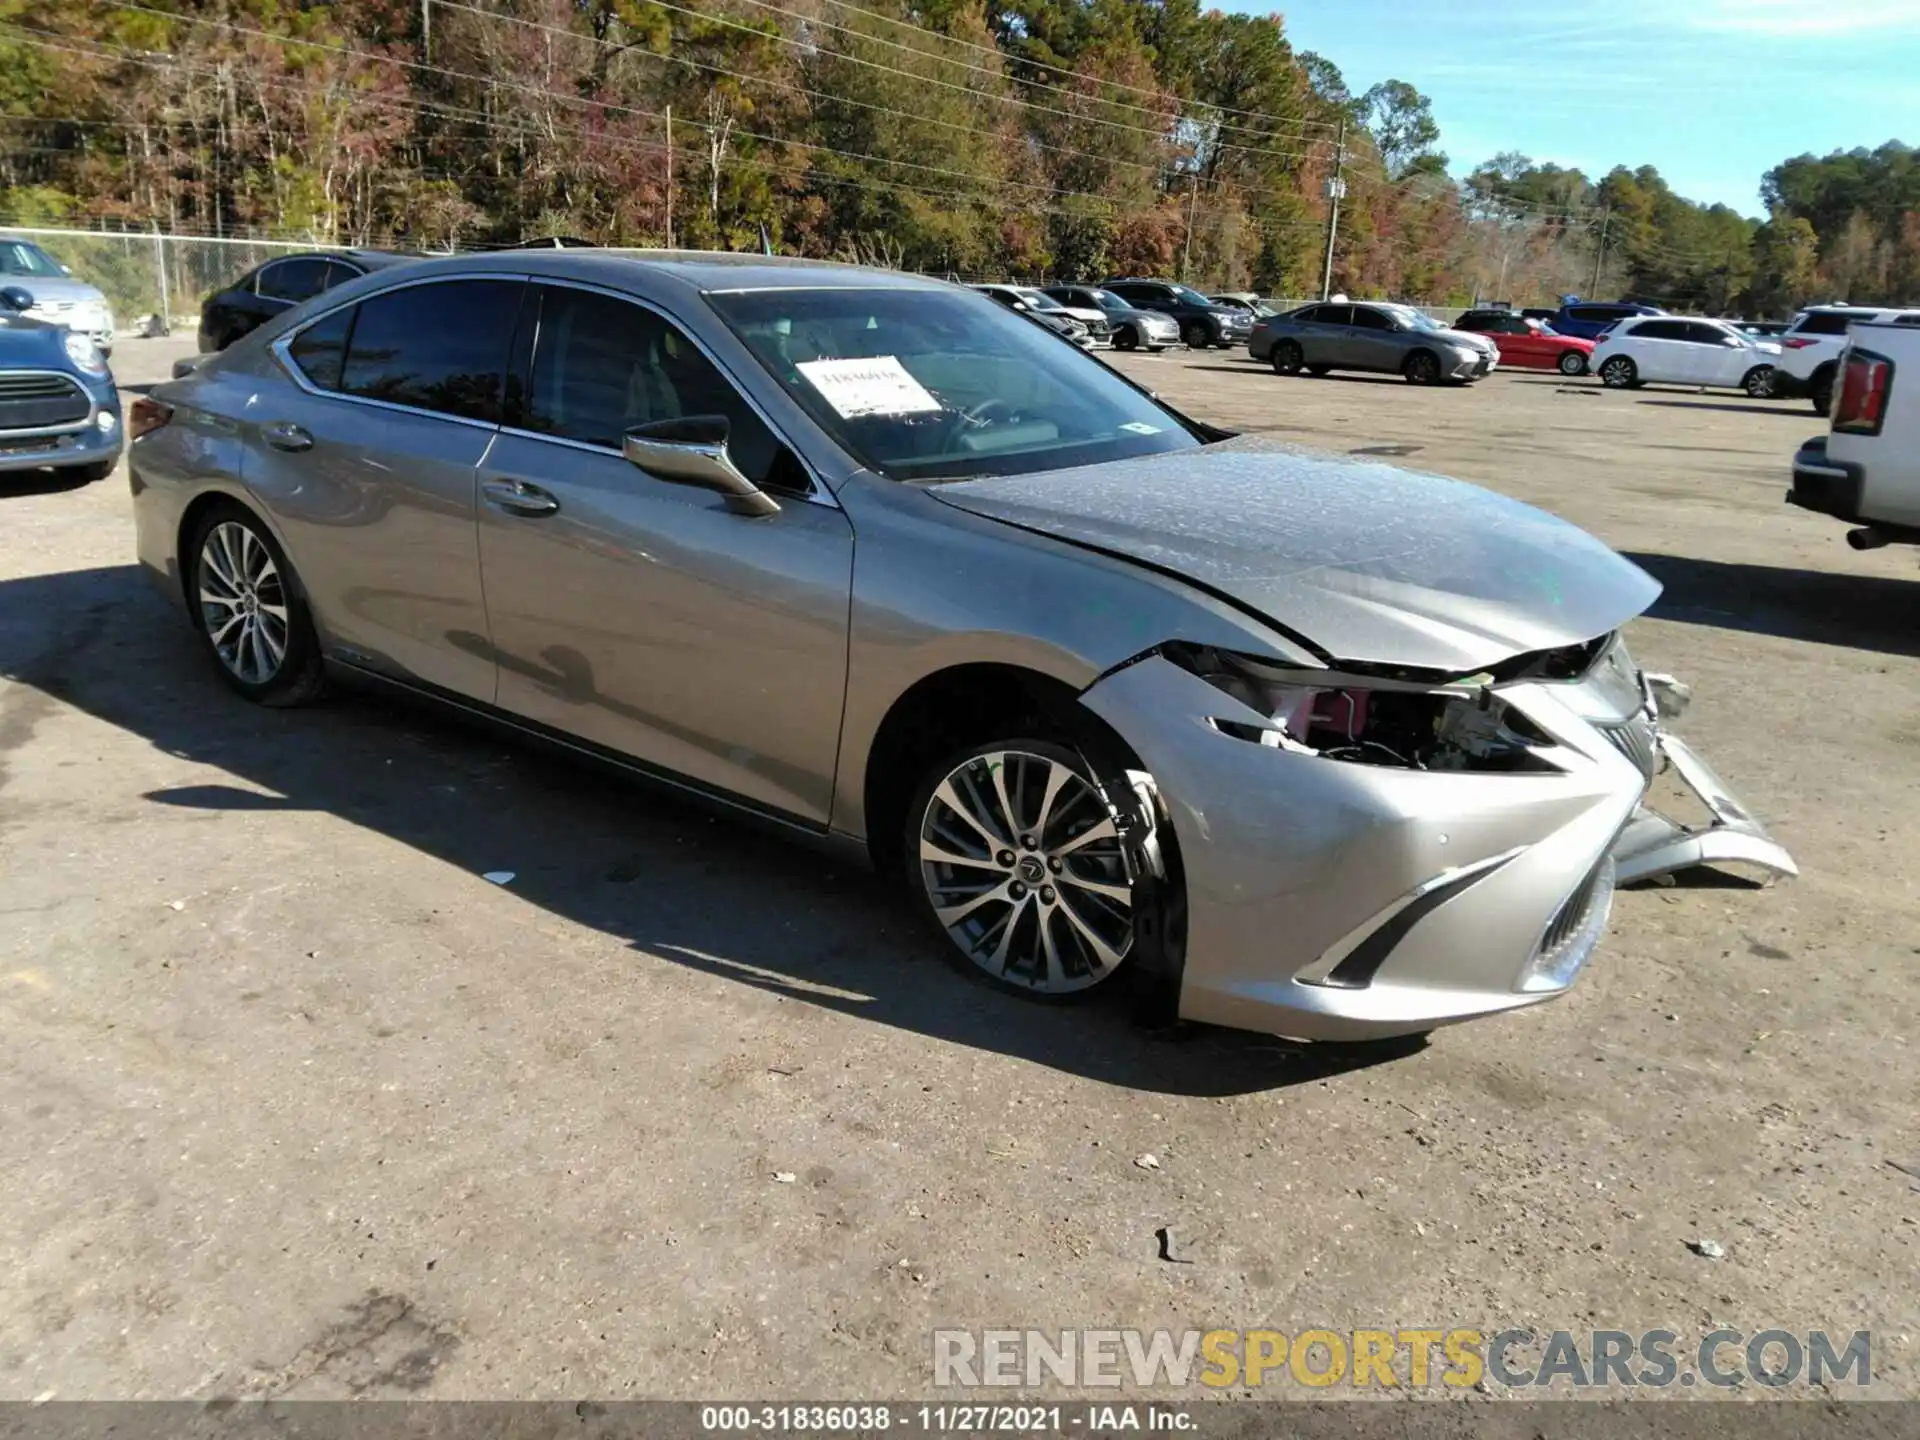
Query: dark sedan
[[58, 407], [266, 290]]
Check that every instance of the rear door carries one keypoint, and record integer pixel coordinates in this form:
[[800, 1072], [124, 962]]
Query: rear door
[[1659, 350], [1322, 333], [368, 462], [646, 617]]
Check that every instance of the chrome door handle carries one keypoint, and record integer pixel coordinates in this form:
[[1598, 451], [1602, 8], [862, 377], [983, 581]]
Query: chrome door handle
[[285, 435], [517, 497]]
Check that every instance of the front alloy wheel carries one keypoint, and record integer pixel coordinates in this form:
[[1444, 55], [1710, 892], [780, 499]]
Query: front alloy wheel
[[1572, 362], [1758, 382], [1019, 860]]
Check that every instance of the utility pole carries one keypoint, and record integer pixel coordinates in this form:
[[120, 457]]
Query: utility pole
[[1336, 191], [1600, 252], [426, 30], [1186, 251], [669, 177]]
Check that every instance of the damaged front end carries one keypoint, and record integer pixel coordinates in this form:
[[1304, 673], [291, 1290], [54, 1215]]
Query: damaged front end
[[1369, 851], [1370, 715]]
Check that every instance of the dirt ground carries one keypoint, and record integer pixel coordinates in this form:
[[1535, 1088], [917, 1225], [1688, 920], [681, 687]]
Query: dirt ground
[[297, 1104]]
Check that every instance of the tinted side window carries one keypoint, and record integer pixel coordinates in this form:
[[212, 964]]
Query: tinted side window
[[1475, 322], [603, 366], [1369, 319], [440, 347], [1824, 324], [1908, 319], [319, 349], [1659, 330], [1588, 315], [339, 272], [1706, 334], [1334, 315], [294, 280]]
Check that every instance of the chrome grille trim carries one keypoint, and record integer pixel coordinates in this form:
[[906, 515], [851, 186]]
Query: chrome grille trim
[[1638, 739]]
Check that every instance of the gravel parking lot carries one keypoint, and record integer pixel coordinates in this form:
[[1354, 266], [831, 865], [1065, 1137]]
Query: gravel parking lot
[[297, 1104]]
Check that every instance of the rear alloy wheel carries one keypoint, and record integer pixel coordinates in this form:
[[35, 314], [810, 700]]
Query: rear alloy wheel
[[1619, 373], [1572, 362], [249, 611], [1758, 382], [1422, 368], [1015, 854], [1287, 357]]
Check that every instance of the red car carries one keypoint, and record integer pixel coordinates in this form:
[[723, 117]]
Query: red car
[[1527, 344]]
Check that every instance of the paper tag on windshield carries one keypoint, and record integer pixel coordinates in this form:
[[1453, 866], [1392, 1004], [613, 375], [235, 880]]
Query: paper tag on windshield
[[1140, 427], [876, 386]]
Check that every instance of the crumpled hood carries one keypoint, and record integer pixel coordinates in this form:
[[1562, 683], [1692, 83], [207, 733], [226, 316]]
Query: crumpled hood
[[1368, 563]]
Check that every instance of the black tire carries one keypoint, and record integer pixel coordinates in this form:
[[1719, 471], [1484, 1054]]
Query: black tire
[[1820, 390], [1286, 357], [1619, 373], [1126, 338], [298, 678], [1319, 372], [1422, 367], [1197, 336], [93, 470], [1046, 898], [1758, 382], [1573, 362]]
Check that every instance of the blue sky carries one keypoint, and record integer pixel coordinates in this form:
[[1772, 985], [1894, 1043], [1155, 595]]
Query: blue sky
[[1712, 92]]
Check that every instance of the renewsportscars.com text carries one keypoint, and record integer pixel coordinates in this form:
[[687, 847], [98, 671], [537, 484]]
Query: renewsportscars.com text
[[1400, 1359]]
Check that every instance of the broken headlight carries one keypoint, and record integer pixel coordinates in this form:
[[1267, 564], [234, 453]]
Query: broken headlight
[[1464, 725]]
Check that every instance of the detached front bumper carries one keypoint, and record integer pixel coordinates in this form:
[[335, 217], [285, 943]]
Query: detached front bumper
[[1329, 900]]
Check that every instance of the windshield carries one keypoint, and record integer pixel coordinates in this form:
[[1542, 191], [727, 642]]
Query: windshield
[[1190, 297], [1417, 319], [1107, 300], [928, 384], [1039, 300], [17, 257]]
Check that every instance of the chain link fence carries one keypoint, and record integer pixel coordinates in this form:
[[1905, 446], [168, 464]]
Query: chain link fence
[[150, 275], [156, 274]]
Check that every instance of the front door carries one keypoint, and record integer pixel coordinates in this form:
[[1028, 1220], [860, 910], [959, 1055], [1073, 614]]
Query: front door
[[368, 468], [1372, 341], [643, 616]]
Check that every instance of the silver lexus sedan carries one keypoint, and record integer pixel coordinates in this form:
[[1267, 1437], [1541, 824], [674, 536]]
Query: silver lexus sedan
[[1304, 745]]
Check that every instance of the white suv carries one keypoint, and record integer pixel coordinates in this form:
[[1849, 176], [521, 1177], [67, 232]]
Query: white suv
[[1679, 351], [1810, 350]]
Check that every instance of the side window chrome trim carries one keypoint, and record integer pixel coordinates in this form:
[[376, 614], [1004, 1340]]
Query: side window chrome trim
[[282, 349], [818, 493]]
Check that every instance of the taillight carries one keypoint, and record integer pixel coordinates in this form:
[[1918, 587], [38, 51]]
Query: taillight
[[147, 415], [1793, 342], [1862, 407]]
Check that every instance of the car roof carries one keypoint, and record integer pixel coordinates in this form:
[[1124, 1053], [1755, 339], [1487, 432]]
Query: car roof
[[702, 271]]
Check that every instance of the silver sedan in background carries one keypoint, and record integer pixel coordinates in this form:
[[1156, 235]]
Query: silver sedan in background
[[1305, 745], [1393, 339]]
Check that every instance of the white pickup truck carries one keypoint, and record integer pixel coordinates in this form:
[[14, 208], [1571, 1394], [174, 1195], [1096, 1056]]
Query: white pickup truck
[[1866, 468]]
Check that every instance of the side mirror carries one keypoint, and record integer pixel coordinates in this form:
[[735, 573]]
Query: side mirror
[[16, 299], [693, 451]]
